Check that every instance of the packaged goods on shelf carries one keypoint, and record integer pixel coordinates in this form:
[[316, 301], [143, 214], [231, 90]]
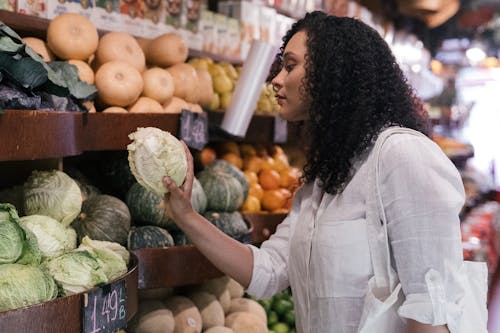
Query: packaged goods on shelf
[[55, 8], [267, 24], [173, 13], [207, 28], [106, 15], [233, 48], [132, 14], [32, 7], [221, 33], [153, 24], [9, 5]]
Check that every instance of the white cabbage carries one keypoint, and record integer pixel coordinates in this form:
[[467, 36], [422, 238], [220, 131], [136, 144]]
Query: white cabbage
[[112, 257], [54, 194], [52, 237], [154, 154], [12, 236]]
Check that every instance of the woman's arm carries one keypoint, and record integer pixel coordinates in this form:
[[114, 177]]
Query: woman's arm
[[228, 255], [413, 326]]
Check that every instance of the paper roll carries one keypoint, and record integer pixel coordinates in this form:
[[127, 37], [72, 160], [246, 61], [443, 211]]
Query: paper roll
[[248, 88]]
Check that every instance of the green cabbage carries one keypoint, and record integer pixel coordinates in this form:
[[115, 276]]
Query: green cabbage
[[75, 272], [54, 194], [11, 235], [23, 285], [154, 154], [31, 254], [52, 237], [112, 257]]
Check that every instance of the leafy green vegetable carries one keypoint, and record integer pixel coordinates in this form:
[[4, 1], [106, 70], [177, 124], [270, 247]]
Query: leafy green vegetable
[[24, 285], [67, 74], [111, 256], [11, 235]]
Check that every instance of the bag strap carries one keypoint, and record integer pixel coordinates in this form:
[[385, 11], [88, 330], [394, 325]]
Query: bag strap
[[378, 236]]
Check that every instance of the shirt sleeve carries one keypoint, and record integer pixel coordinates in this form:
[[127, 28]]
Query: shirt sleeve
[[270, 261], [422, 193]]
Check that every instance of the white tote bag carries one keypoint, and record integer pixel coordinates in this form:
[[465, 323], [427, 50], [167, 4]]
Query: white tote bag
[[385, 296]]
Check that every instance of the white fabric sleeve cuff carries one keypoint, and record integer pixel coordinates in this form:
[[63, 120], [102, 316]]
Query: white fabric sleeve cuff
[[440, 306], [258, 283]]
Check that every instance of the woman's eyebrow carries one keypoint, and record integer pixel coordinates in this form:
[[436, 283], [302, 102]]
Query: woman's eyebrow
[[288, 55]]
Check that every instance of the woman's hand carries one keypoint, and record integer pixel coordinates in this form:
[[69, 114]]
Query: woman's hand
[[177, 201]]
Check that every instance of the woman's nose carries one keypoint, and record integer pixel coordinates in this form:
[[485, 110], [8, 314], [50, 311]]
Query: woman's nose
[[277, 82]]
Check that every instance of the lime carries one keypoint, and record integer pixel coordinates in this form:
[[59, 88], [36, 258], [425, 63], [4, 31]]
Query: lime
[[282, 306], [272, 318], [281, 328], [266, 304], [289, 318]]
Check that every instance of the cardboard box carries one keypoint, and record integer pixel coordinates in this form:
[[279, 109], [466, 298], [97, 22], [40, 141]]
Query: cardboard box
[[57, 7], [33, 7], [173, 13], [9, 5], [106, 15], [132, 13]]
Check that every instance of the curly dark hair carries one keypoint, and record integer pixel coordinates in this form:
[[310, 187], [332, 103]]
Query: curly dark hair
[[355, 87]]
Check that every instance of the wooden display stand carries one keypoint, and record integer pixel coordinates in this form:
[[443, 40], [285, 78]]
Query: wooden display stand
[[64, 314]]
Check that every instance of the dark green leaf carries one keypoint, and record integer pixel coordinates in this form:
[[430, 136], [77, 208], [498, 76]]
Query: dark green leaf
[[26, 72], [8, 45], [6, 31], [68, 74], [2, 111]]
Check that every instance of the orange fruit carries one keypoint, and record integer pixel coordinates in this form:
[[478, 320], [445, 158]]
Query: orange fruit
[[273, 199], [256, 190], [223, 148], [280, 162], [247, 150], [234, 159], [289, 178], [251, 205], [252, 163], [268, 163], [207, 155], [269, 179], [251, 177]]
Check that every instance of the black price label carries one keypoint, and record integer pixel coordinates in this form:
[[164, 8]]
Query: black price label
[[194, 129], [280, 130], [104, 309]]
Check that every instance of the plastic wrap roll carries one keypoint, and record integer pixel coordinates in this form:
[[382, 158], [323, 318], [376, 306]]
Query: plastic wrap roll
[[248, 88]]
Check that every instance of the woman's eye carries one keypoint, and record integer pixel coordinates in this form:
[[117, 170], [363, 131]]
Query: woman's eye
[[288, 67]]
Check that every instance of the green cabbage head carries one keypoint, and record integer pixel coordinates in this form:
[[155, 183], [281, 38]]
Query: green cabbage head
[[75, 272], [52, 237], [23, 285], [11, 235], [52, 193], [112, 257], [154, 154]]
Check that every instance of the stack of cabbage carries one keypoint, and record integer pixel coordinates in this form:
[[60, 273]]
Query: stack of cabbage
[[39, 257]]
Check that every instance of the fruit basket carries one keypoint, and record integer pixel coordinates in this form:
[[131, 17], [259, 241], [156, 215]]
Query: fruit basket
[[65, 314]]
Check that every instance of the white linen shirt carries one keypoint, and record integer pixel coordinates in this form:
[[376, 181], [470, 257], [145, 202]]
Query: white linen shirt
[[321, 249]]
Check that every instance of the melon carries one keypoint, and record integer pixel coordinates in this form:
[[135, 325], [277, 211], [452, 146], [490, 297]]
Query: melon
[[219, 329], [149, 237], [158, 84], [187, 317], [85, 73], [175, 105], [185, 82], [103, 217], [217, 287], [118, 83], [248, 305], [40, 47], [167, 50], [205, 87], [235, 289], [152, 317], [145, 105], [72, 36], [115, 109], [122, 47], [212, 313]]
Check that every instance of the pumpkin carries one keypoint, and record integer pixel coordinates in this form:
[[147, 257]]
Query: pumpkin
[[122, 47], [175, 105], [180, 238], [145, 105], [224, 192], [115, 172], [205, 86], [232, 224], [115, 109], [39, 47], [185, 82], [118, 83], [103, 217], [146, 207], [227, 167], [149, 236], [167, 50], [85, 73], [158, 84], [72, 36]]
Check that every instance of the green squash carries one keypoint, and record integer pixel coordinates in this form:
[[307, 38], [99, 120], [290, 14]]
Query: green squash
[[224, 192], [103, 217], [228, 168], [146, 207], [232, 224], [149, 237]]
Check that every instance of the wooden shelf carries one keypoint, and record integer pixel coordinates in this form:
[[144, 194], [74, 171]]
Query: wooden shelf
[[29, 135], [63, 314], [109, 131], [32, 26], [263, 225]]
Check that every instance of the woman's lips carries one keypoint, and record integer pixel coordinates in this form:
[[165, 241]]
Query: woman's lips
[[280, 99]]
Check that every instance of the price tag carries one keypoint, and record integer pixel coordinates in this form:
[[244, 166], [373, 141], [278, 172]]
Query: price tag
[[194, 129], [104, 309], [280, 130]]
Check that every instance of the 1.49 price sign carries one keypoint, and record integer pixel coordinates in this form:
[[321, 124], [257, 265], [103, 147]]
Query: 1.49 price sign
[[104, 309]]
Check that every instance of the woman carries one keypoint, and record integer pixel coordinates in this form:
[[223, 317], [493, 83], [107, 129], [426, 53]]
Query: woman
[[339, 76]]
